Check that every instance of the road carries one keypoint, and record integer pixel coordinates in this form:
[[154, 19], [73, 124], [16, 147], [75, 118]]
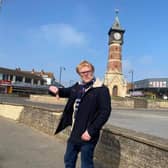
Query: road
[[154, 122], [25, 101]]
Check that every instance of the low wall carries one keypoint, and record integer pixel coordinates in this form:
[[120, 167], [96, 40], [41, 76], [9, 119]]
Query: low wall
[[117, 148], [139, 103], [116, 104], [122, 104], [126, 104], [122, 148], [158, 104], [43, 119], [10, 111], [47, 99]]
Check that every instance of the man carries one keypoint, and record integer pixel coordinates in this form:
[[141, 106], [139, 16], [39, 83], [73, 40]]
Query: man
[[87, 110]]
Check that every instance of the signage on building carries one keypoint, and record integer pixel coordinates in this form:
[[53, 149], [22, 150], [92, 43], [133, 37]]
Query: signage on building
[[158, 84], [5, 82]]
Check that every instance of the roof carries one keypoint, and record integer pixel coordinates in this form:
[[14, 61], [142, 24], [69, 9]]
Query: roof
[[18, 72], [41, 73], [116, 25]]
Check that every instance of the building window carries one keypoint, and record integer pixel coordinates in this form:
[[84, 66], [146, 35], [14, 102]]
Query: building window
[[42, 82], [11, 77], [19, 78], [5, 77], [158, 84], [35, 81], [1, 76], [28, 80], [164, 84]]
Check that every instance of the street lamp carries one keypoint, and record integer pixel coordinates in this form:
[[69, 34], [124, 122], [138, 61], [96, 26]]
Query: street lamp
[[1, 4], [132, 79], [60, 75], [71, 82]]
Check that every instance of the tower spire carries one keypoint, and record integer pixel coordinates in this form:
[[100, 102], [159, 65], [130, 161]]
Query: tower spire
[[116, 24]]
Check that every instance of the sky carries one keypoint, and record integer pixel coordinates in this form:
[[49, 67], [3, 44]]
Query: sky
[[50, 34]]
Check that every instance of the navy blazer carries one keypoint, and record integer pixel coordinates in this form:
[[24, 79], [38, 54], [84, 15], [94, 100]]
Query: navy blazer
[[93, 112]]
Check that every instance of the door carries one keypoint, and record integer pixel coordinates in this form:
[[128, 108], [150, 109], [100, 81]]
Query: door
[[115, 91]]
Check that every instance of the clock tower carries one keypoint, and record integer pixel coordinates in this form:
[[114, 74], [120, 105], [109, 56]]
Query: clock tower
[[114, 78]]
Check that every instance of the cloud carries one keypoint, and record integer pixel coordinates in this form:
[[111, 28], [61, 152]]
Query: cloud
[[63, 34]]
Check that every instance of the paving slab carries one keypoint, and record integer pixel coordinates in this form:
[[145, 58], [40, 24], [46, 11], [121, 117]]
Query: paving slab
[[24, 147]]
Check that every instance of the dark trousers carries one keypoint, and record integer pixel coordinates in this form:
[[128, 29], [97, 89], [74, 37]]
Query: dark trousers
[[71, 154]]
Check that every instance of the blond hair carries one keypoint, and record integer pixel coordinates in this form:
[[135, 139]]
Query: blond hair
[[84, 63]]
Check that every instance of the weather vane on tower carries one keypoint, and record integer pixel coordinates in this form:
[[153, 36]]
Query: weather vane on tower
[[116, 11]]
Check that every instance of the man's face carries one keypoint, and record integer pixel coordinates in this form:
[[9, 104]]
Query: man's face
[[86, 74]]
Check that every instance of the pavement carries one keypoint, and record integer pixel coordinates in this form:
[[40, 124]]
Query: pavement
[[24, 147]]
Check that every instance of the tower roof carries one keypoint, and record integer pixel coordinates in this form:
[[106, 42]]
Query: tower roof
[[116, 25]]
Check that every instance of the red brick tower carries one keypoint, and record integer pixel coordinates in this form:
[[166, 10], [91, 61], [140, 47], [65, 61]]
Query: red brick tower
[[114, 77]]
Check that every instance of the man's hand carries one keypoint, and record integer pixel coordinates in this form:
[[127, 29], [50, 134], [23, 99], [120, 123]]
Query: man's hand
[[85, 136], [53, 89]]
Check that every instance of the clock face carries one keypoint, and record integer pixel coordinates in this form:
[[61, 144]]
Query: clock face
[[117, 36]]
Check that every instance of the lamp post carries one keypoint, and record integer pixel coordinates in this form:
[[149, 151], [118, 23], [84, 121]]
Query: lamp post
[[71, 82], [1, 4], [60, 75], [132, 79]]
